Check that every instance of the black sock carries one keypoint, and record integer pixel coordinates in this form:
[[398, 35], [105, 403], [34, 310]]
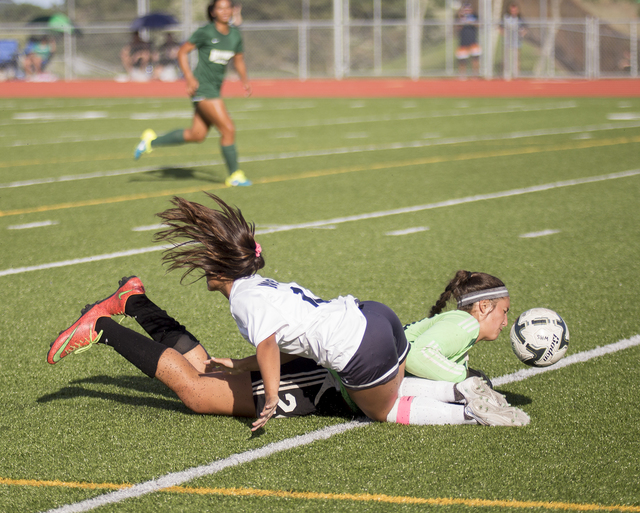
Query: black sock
[[160, 326], [141, 351]]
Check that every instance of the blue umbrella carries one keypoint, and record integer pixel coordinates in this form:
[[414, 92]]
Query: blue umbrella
[[153, 20]]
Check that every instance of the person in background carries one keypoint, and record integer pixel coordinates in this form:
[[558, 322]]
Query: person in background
[[217, 43], [137, 58], [468, 48], [514, 29], [166, 68], [37, 54]]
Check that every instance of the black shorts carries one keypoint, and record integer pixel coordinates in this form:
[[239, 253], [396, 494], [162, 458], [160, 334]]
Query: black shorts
[[384, 347], [301, 382]]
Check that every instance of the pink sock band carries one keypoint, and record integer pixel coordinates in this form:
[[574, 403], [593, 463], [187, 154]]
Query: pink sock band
[[404, 410]]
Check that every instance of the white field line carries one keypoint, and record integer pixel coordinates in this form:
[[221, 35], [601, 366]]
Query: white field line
[[341, 220], [542, 233], [568, 360], [333, 151], [49, 117], [26, 226], [177, 478], [407, 231]]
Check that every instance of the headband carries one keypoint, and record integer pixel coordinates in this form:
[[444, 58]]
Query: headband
[[479, 295]]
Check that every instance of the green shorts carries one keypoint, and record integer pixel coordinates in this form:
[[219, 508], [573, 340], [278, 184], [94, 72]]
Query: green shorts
[[206, 92]]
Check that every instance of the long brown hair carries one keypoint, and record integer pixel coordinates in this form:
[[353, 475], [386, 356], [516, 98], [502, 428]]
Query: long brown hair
[[220, 243], [464, 282]]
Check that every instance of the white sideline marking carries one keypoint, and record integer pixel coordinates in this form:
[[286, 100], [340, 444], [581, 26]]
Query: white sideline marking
[[50, 116], [568, 360], [542, 233], [31, 225], [64, 263], [177, 478], [340, 220], [148, 228], [334, 151], [624, 116], [408, 231]]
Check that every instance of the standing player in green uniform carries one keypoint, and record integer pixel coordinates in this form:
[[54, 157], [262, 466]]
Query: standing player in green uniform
[[217, 43], [441, 342]]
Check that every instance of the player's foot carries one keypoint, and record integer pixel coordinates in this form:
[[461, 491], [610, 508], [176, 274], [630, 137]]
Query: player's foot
[[237, 179], [474, 387], [489, 414], [144, 146], [81, 335]]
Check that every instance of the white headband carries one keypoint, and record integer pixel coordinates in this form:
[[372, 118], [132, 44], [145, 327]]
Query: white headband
[[472, 297]]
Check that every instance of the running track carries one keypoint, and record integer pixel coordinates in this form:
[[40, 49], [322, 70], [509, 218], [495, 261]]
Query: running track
[[348, 88]]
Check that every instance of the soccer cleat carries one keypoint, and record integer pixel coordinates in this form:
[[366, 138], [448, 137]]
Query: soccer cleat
[[81, 335], [144, 146], [237, 179], [489, 414], [474, 387]]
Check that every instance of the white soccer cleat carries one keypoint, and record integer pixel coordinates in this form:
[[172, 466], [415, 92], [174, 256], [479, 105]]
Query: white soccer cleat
[[474, 387], [489, 414]]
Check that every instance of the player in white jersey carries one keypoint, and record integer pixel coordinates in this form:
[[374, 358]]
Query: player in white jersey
[[363, 343]]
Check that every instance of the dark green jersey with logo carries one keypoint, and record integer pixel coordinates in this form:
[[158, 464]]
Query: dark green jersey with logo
[[215, 50]]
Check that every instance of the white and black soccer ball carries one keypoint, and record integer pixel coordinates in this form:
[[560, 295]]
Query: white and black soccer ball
[[539, 337]]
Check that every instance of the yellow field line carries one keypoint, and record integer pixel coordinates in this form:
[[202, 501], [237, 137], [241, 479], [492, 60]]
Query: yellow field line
[[358, 497], [335, 171]]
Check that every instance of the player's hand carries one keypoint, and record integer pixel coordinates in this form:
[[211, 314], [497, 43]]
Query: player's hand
[[228, 365], [247, 89], [267, 412], [192, 85]]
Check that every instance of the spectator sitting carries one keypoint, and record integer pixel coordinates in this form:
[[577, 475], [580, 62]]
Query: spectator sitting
[[137, 58], [37, 54], [166, 68]]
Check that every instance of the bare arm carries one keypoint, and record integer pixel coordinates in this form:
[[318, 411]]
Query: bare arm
[[183, 61], [268, 355], [241, 68]]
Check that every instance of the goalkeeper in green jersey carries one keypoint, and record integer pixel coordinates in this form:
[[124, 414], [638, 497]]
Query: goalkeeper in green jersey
[[441, 342], [217, 43]]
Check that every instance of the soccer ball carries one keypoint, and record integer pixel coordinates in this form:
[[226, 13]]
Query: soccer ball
[[539, 337]]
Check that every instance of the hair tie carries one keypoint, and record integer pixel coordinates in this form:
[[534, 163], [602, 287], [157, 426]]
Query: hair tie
[[258, 250], [469, 273]]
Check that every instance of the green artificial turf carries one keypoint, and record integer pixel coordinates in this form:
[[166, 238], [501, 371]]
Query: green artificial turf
[[95, 419]]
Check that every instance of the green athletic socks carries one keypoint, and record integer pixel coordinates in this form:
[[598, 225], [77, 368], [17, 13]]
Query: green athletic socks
[[230, 157], [170, 139]]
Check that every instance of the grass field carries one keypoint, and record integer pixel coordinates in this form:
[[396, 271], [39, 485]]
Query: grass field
[[383, 199]]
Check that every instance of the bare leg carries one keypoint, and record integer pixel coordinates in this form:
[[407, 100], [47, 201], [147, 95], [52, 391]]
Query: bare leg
[[215, 394], [214, 113], [376, 403]]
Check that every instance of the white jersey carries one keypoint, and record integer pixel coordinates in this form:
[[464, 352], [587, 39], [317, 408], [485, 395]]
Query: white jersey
[[328, 332]]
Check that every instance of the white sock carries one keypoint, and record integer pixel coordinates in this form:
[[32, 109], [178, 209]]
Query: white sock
[[424, 411], [440, 390]]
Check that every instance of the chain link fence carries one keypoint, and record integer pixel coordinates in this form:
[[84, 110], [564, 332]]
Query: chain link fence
[[569, 48]]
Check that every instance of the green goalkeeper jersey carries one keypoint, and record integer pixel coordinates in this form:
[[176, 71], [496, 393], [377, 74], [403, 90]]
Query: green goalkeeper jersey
[[439, 345], [215, 50]]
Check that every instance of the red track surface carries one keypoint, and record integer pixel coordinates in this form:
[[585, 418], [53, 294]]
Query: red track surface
[[348, 88]]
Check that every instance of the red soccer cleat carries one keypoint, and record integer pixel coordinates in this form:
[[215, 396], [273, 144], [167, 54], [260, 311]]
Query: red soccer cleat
[[81, 335]]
